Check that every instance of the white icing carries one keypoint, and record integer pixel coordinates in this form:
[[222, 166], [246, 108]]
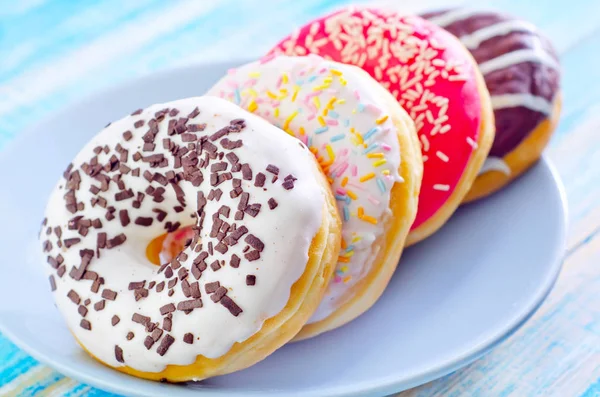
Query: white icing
[[287, 232], [474, 39], [250, 83], [515, 57], [494, 164], [450, 17], [529, 101]]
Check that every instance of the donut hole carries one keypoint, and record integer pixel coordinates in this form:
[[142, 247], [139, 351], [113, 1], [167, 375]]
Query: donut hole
[[165, 247]]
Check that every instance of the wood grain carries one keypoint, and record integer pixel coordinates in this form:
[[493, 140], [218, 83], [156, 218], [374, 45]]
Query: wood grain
[[56, 52]]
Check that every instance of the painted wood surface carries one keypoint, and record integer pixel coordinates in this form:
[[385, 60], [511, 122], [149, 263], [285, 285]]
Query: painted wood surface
[[54, 52]]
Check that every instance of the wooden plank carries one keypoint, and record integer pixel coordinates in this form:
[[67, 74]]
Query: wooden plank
[[558, 351]]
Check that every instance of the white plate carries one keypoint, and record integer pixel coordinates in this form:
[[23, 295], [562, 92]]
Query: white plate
[[453, 297]]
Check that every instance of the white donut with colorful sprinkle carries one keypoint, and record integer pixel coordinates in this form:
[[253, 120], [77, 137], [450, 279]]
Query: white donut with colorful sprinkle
[[366, 145]]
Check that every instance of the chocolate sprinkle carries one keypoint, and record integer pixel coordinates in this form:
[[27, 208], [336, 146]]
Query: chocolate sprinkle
[[230, 305], [188, 338], [115, 320], [109, 294], [166, 309], [98, 306], [250, 279], [165, 344], [218, 294], [272, 203], [148, 342], [119, 354], [138, 318], [211, 287], [85, 324]]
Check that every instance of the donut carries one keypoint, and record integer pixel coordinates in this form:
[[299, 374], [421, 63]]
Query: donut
[[522, 72], [368, 148], [433, 77], [266, 237]]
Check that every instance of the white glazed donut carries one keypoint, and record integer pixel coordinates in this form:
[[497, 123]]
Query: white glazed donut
[[266, 237], [366, 145]]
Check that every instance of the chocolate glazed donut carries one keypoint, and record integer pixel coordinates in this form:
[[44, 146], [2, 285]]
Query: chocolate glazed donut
[[522, 73]]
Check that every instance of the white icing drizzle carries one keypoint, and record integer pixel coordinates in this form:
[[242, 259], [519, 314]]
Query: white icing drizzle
[[286, 231], [533, 102], [450, 17], [519, 56], [494, 164], [474, 39], [355, 108]]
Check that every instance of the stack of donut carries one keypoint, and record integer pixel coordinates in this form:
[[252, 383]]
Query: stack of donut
[[194, 238]]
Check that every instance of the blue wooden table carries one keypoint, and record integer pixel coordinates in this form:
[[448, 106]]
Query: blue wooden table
[[53, 53]]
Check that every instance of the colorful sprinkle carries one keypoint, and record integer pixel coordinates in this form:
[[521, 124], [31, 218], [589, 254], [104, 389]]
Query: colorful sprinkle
[[367, 177], [381, 120], [338, 137], [370, 133], [252, 106], [381, 185], [321, 130], [346, 214]]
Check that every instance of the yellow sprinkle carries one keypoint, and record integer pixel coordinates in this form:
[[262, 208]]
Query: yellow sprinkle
[[344, 269], [343, 259], [368, 176], [375, 155], [284, 78], [276, 112], [341, 101], [325, 112], [343, 81], [379, 162], [289, 131], [360, 138], [271, 95], [330, 152], [296, 89], [351, 194], [369, 219], [317, 101], [289, 120], [361, 212], [336, 72], [322, 121], [301, 130], [344, 246], [344, 181], [327, 80], [319, 88], [346, 279], [252, 107], [356, 239], [330, 103], [381, 120], [330, 180], [283, 91], [253, 92]]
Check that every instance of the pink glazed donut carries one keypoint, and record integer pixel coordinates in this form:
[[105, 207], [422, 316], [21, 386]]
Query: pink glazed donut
[[435, 79]]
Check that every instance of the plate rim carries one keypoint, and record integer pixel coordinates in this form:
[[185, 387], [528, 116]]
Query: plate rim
[[386, 385]]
